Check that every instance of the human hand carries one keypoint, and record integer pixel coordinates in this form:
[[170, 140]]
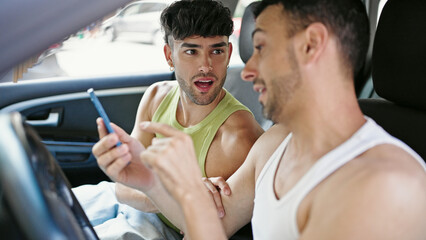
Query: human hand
[[216, 185], [121, 163], [173, 160]]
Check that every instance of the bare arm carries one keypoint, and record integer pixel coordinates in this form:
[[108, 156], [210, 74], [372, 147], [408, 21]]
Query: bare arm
[[134, 198], [202, 224]]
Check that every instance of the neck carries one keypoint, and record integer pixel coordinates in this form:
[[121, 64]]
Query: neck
[[189, 113], [326, 121], [325, 111]]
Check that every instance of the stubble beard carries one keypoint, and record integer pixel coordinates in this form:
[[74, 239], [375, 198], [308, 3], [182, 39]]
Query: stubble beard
[[281, 90], [201, 98]]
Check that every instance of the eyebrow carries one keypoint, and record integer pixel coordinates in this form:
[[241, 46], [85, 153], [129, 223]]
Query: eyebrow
[[192, 45], [221, 44], [255, 31]]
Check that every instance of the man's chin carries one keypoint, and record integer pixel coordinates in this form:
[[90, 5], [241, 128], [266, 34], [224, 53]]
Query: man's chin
[[203, 101], [266, 112]]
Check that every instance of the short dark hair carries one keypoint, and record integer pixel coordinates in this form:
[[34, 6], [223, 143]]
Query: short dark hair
[[346, 19], [206, 18]]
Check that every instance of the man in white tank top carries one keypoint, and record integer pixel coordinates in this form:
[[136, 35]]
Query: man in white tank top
[[337, 175]]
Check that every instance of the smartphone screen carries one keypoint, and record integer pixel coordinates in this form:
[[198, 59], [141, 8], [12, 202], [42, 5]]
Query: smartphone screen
[[101, 111]]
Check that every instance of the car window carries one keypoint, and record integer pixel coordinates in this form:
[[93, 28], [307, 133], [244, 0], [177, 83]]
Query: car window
[[112, 45], [151, 7], [131, 10], [159, 7]]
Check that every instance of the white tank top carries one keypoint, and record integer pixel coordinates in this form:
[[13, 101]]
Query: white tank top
[[277, 219]]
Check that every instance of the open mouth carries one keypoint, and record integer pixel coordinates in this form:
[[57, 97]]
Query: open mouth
[[203, 85], [259, 89]]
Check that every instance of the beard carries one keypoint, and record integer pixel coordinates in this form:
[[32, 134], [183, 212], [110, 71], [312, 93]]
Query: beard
[[281, 89], [197, 97]]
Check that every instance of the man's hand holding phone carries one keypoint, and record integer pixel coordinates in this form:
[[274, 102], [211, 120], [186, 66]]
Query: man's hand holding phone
[[117, 154], [101, 111]]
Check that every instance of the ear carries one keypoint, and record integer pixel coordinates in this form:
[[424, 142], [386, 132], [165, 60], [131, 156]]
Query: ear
[[314, 41], [168, 54], [230, 51]]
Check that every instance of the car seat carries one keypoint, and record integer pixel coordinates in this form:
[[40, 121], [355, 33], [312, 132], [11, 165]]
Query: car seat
[[240, 89], [399, 73]]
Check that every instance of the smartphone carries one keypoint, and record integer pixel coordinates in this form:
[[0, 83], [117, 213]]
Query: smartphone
[[101, 111]]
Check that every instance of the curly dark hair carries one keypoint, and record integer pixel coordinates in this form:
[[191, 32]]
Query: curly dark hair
[[206, 18], [347, 19]]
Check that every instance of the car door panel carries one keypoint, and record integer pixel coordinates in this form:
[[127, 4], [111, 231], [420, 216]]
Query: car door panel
[[65, 118]]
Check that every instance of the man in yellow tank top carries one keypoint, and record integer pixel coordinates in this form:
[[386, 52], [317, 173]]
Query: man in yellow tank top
[[222, 129]]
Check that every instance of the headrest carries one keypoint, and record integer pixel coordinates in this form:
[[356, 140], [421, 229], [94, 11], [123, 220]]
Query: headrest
[[399, 53], [247, 26]]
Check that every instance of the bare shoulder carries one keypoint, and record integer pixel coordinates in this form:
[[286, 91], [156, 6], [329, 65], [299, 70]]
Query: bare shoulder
[[238, 134], [396, 172], [387, 171], [383, 192], [266, 145], [152, 99], [149, 103], [157, 91], [386, 162], [231, 144], [241, 126]]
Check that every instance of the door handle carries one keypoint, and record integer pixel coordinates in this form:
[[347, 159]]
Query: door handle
[[52, 120]]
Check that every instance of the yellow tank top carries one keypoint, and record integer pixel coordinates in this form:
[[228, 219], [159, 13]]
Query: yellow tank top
[[203, 133]]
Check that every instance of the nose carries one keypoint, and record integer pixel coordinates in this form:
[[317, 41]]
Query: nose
[[206, 65], [249, 72]]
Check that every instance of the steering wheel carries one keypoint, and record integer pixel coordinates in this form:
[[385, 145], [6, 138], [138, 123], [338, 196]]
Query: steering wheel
[[35, 188]]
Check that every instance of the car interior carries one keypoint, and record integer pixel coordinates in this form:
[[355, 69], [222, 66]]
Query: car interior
[[398, 72], [48, 127]]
